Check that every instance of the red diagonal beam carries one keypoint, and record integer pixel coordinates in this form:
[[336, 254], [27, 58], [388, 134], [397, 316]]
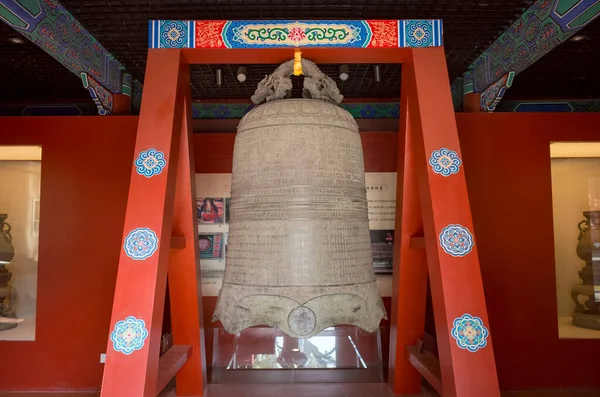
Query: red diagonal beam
[[462, 326], [133, 350]]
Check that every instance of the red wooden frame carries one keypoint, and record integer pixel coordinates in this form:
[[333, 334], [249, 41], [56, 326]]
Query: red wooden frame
[[427, 203]]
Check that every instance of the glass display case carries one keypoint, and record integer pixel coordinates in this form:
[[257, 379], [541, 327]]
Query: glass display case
[[20, 170], [576, 212], [267, 355]]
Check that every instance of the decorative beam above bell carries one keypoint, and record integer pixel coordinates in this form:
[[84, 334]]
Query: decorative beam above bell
[[294, 34]]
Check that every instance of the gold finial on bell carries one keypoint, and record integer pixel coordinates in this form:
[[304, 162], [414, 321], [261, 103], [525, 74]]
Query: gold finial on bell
[[298, 63]]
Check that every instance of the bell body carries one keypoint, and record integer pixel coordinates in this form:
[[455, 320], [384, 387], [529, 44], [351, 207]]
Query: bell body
[[299, 253]]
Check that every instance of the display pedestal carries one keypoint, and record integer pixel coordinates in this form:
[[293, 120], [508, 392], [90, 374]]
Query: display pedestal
[[585, 320], [586, 314]]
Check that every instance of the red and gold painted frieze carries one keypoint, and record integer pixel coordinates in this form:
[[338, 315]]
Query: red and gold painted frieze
[[277, 34]]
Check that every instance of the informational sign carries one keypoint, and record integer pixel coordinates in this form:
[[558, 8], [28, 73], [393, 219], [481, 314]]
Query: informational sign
[[381, 195], [213, 192]]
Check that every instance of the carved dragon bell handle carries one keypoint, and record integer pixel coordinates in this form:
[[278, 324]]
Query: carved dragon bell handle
[[278, 85]]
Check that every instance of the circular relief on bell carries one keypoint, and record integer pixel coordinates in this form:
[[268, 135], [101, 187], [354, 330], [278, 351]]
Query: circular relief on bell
[[302, 320]]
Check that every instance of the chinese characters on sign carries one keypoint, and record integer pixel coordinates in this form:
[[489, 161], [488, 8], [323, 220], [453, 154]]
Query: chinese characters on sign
[[381, 196]]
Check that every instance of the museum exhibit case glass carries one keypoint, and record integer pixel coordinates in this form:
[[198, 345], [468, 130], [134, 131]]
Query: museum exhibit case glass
[[575, 170], [267, 355], [20, 170]]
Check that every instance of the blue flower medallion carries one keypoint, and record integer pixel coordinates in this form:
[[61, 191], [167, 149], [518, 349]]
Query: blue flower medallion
[[173, 34], [150, 162], [419, 33], [445, 162], [470, 333], [140, 244], [456, 240], [129, 335]]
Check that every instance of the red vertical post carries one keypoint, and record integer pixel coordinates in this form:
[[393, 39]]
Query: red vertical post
[[410, 264], [462, 326], [184, 288], [134, 343]]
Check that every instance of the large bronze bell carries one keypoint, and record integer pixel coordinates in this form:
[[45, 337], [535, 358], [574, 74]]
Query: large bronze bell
[[299, 254]]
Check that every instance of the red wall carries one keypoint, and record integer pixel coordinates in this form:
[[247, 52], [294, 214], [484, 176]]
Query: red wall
[[507, 165], [84, 186], [86, 164], [214, 152]]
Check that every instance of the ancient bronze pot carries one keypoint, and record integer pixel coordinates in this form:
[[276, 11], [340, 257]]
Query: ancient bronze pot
[[7, 294], [587, 314]]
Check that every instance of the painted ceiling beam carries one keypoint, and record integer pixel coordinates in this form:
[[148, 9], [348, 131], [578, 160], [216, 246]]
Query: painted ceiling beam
[[103, 99], [281, 34], [360, 110], [540, 29], [492, 95], [551, 105], [50, 26], [215, 109]]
